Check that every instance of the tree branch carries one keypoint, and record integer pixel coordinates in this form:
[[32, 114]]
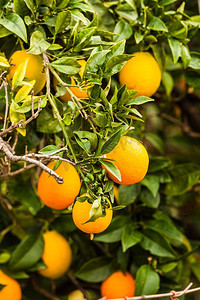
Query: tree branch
[[173, 295]]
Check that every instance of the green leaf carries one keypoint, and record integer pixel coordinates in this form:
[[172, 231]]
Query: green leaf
[[130, 237], [30, 4], [111, 168], [4, 62], [195, 61], [128, 193], [166, 268], [24, 91], [165, 229], [15, 24], [139, 100], [185, 55], [147, 281], [17, 117], [20, 8], [158, 163], [83, 38], [168, 82], [152, 183], [115, 64], [156, 141], [96, 269], [175, 49], [66, 65], [150, 200], [63, 20], [89, 137], [4, 32], [196, 269], [166, 2], [2, 286], [111, 143], [4, 257], [185, 176], [123, 30], [38, 44], [156, 244], [46, 123], [157, 24], [49, 150], [28, 252], [95, 61], [114, 232]]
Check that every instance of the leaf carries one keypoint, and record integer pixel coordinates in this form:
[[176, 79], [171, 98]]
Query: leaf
[[49, 150], [111, 168], [66, 65], [115, 63], [62, 21], [38, 44], [128, 193], [19, 74], [196, 269], [185, 176], [185, 55], [152, 183], [166, 2], [168, 82], [15, 24], [150, 200], [24, 91], [46, 123], [88, 136], [165, 229], [130, 237], [17, 117], [114, 232], [175, 49], [139, 100], [158, 163], [83, 38], [96, 269], [195, 61], [147, 281], [123, 30], [156, 141], [28, 252], [156, 244], [111, 143], [4, 62], [157, 24]]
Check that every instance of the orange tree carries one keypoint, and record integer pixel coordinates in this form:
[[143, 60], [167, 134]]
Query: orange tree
[[54, 107]]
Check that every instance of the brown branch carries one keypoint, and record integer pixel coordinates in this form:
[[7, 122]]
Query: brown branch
[[41, 290], [20, 124], [17, 172], [5, 147], [78, 285], [173, 295]]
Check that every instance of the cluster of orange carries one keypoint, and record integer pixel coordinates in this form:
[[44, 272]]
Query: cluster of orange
[[117, 285], [130, 157]]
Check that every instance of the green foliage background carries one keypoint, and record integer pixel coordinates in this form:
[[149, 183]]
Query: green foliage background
[[156, 235]]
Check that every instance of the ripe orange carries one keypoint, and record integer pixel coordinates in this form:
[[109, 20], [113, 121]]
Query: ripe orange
[[118, 285], [12, 289], [141, 73], [80, 93], [80, 214], [34, 70], [57, 255], [131, 158], [55, 195]]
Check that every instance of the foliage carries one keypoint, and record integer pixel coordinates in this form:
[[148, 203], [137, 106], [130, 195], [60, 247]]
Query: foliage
[[154, 233]]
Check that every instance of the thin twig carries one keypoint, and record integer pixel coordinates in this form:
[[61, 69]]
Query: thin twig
[[174, 295], [15, 158], [5, 83], [77, 284], [20, 124]]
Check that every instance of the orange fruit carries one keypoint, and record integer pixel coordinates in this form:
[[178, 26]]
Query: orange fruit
[[57, 255], [141, 73], [78, 92], [12, 289], [55, 195], [131, 158], [80, 215], [116, 194], [118, 285], [34, 71]]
